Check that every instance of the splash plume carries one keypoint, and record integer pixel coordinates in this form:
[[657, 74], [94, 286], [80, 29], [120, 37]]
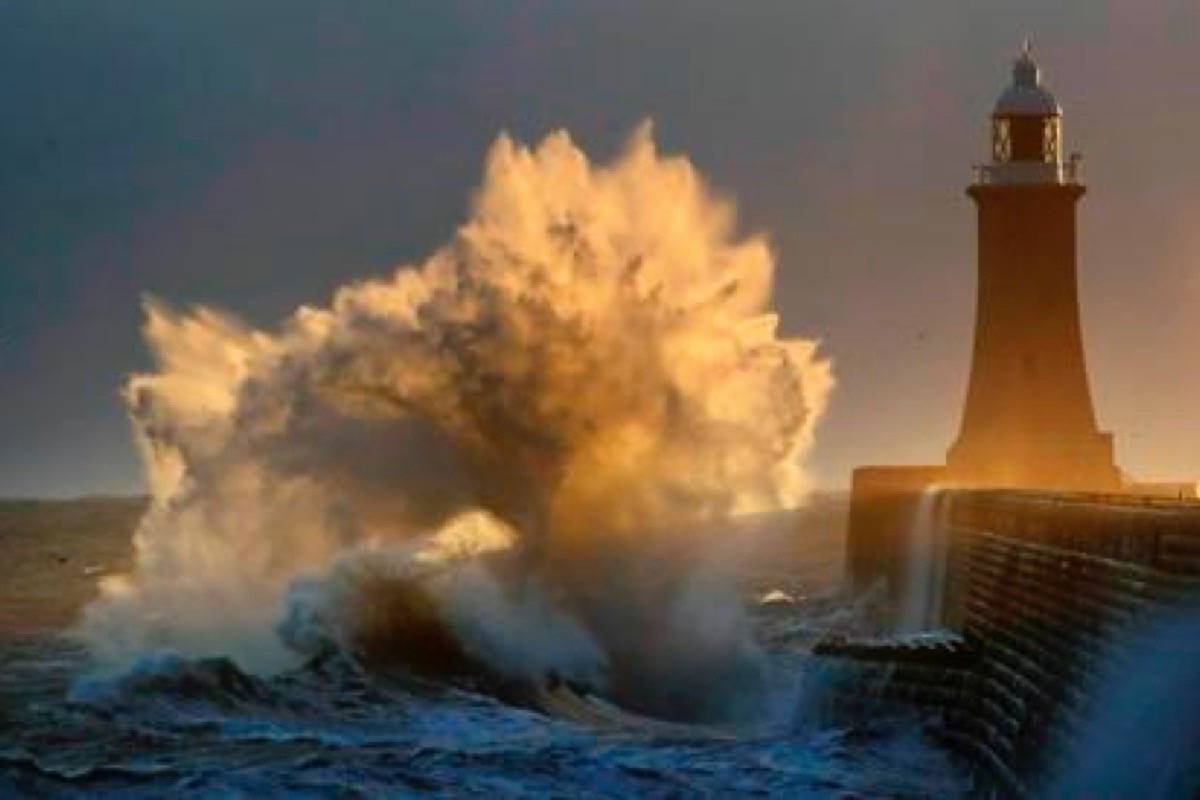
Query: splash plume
[[587, 370]]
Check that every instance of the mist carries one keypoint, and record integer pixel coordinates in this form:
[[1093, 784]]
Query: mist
[[587, 373]]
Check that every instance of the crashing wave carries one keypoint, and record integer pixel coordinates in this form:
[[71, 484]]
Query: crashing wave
[[584, 377]]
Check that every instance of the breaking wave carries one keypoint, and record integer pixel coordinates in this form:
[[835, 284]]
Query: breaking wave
[[511, 458]]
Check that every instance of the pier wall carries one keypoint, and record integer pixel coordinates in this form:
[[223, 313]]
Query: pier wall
[[882, 507], [1045, 592]]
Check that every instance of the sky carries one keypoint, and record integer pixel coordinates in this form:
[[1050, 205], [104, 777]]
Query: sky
[[256, 155]]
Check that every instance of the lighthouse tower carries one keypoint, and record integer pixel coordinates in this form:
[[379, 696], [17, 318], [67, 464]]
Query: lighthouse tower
[[1028, 419]]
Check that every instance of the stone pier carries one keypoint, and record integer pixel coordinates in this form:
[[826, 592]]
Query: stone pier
[[1043, 593]]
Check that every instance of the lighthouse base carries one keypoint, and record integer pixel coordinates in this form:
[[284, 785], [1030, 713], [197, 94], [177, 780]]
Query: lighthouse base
[[1081, 463]]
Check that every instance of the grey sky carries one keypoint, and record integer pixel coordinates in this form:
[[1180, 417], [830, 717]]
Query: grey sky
[[254, 156]]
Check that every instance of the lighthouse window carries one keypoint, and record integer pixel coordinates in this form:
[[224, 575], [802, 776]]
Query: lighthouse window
[[1001, 140], [1050, 138]]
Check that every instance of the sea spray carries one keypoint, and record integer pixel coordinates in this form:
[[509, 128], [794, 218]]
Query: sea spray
[[590, 366], [925, 563], [1140, 734]]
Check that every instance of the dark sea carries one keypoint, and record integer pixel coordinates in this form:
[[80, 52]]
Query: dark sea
[[176, 727]]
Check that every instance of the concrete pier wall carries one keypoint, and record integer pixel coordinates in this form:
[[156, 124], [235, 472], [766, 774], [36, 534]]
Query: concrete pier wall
[[883, 503], [1046, 591]]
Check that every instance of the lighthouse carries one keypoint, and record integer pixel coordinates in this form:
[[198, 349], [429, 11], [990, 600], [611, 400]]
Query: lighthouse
[[1028, 420]]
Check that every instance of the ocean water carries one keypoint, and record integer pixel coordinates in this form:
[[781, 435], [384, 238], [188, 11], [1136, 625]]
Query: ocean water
[[185, 728]]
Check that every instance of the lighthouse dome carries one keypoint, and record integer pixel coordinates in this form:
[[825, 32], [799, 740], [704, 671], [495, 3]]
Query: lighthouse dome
[[1026, 97]]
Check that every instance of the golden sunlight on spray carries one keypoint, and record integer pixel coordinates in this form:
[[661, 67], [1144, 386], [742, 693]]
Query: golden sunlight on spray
[[591, 360]]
